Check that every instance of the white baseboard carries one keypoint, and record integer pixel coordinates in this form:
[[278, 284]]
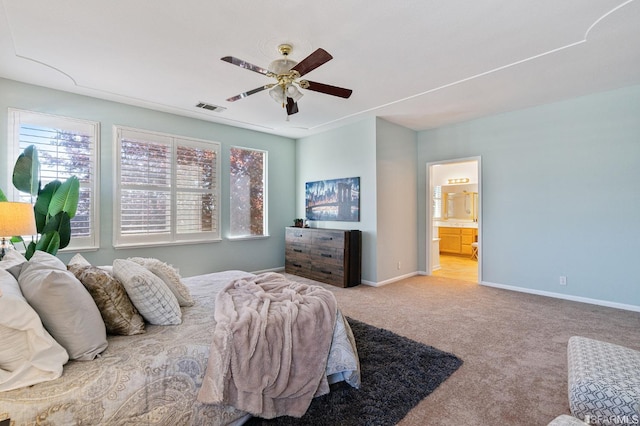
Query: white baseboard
[[390, 280], [279, 269], [570, 297]]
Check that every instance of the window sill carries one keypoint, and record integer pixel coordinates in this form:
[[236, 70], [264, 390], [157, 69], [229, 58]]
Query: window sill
[[248, 237], [163, 244]]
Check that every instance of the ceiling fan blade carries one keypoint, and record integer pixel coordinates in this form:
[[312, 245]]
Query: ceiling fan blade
[[250, 92], [329, 90], [313, 61], [292, 106], [245, 65]]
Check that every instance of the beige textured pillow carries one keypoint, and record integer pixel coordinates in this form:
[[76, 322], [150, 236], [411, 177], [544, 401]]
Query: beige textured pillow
[[78, 260], [118, 313], [28, 354], [64, 306], [169, 275], [149, 294]]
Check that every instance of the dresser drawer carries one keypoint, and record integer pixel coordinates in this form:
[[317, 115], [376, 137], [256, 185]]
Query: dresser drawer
[[297, 235], [327, 255], [328, 239], [329, 275], [298, 267], [298, 250]]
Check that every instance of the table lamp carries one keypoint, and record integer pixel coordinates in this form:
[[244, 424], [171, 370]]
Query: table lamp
[[15, 219]]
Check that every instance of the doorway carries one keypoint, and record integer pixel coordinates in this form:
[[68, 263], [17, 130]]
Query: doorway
[[454, 219]]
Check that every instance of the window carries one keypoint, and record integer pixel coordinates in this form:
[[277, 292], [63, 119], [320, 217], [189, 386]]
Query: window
[[166, 189], [66, 147], [437, 203], [248, 193]]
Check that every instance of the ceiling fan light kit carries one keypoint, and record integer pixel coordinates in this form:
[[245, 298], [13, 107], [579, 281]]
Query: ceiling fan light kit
[[287, 73]]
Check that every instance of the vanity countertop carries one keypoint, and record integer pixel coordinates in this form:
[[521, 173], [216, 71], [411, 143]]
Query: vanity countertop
[[456, 223]]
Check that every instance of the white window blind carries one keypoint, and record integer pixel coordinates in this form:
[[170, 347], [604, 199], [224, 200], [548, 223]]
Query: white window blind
[[437, 202], [248, 192], [66, 147], [167, 189]]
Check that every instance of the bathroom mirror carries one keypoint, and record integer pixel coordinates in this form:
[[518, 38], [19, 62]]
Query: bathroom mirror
[[461, 205]]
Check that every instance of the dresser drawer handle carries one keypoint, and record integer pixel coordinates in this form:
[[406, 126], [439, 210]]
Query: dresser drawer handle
[[326, 272], [297, 265], [326, 238], [325, 255], [297, 250], [298, 235]]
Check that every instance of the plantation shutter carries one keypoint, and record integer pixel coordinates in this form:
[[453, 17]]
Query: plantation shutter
[[167, 189], [66, 147], [196, 178], [145, 179]]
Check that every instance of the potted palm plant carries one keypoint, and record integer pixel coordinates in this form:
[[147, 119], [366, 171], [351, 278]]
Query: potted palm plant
[[55, 204]]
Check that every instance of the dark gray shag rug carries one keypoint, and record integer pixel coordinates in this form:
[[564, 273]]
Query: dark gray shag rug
[[397, 373]]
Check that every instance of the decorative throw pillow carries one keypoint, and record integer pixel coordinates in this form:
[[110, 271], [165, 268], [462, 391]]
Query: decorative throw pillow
[[12, 262], [64, 305], [28, 354], [149, 294], [78, 260], [118, 313], [169, 275]]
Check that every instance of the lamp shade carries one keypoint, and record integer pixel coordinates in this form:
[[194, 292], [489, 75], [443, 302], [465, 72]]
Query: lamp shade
[[16, 219]]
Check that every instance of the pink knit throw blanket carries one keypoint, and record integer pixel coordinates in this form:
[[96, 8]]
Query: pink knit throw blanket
[[270, 346]]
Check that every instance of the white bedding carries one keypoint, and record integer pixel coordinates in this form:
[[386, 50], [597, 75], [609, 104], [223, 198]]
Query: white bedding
[[151, 378]]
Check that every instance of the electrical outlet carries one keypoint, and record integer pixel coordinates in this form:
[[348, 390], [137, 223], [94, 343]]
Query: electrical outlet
[[563, 280], [398, 265]]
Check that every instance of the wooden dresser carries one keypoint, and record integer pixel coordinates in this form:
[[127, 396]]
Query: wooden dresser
[[332, 256]]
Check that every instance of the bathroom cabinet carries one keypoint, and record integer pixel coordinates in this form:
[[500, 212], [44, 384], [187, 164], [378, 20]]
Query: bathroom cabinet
[[456, 240]]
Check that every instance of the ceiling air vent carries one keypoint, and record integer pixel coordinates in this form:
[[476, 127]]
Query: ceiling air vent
[[210, 107]]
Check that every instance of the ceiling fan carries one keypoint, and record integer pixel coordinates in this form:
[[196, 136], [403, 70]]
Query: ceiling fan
[[287, 72]]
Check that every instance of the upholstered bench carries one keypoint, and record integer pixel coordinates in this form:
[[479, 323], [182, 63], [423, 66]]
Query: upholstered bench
[[604, 382]]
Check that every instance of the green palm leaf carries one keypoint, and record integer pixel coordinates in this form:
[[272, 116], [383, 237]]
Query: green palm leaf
[[2, 196], [49, 242], [65, 199], [60, 223], [26, 173]]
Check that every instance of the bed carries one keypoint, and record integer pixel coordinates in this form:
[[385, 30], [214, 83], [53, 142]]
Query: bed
[[153, 378]]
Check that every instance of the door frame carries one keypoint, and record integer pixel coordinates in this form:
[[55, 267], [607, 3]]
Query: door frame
[[429, 198]]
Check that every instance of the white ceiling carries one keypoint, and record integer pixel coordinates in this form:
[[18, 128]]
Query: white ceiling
[[417, 63]]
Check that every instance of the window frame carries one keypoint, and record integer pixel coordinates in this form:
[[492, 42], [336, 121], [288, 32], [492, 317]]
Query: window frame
[[265, 209], [18, 117], [173, 237]]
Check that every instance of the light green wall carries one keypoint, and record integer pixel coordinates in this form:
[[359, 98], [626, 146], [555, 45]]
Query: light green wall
[[558, 185], [559, 194], [195, 259], [383, 155], [349, 151], [397, 207]]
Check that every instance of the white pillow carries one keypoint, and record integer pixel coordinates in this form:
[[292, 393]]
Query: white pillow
[[28, 354], [12, 262], [65, 307], [149, 294], [169, 275]]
